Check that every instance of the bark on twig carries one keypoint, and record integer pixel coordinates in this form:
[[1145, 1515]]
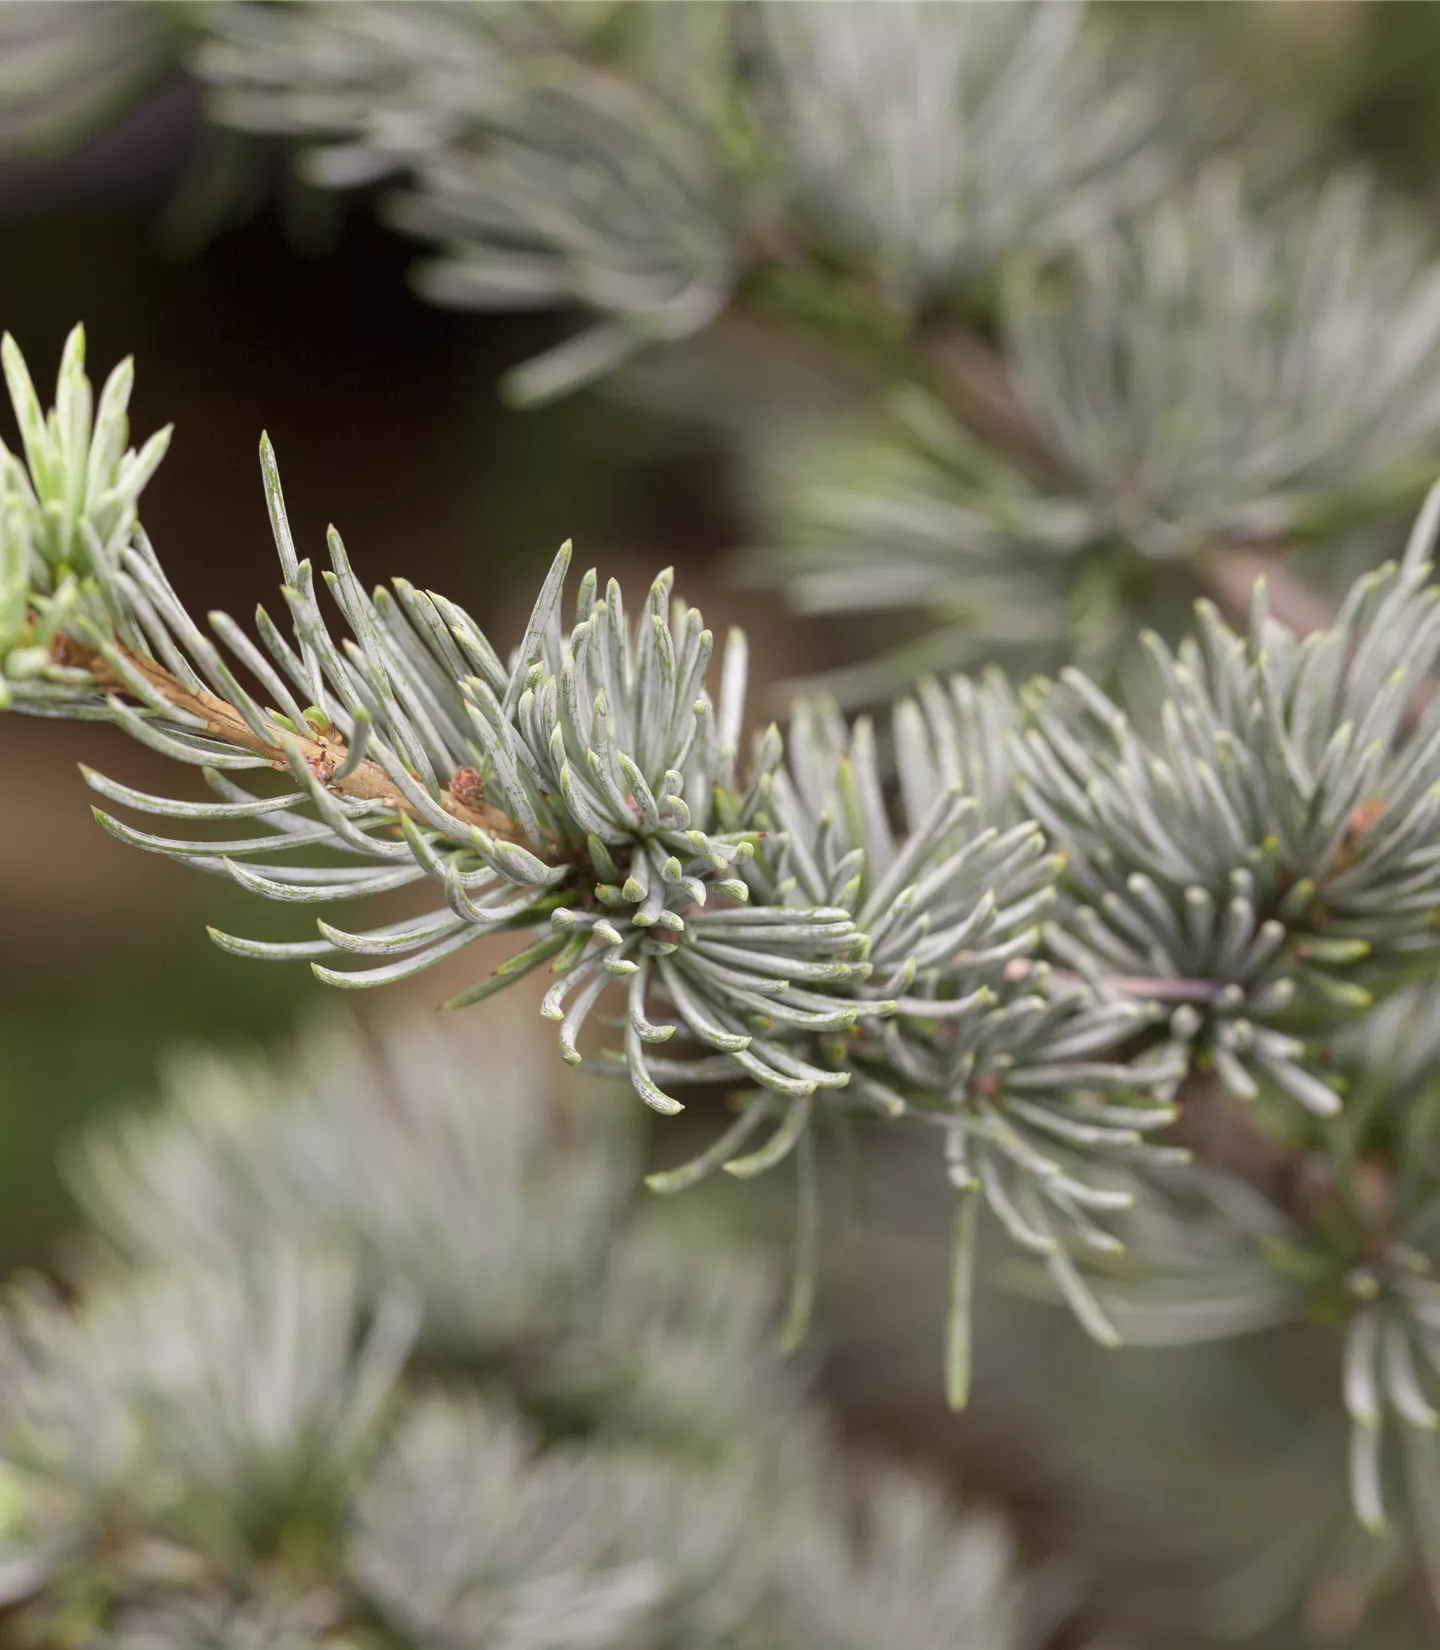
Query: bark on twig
[[323, 753]]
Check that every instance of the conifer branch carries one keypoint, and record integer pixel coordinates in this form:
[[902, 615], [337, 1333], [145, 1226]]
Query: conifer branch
[[1032, 953]]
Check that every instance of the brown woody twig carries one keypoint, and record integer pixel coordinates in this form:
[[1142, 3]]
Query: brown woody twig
[[323, 752]]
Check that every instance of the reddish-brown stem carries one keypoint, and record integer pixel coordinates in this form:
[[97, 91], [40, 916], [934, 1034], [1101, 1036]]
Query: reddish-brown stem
[[323, 752]]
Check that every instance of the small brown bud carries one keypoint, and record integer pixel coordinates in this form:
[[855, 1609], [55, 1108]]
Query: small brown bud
[[1366, 815], [67, 652], [1362, 820], [467, 789]]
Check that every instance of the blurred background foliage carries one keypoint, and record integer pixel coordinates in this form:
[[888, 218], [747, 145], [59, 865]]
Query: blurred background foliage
[[253, 300], [373, 1344]]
